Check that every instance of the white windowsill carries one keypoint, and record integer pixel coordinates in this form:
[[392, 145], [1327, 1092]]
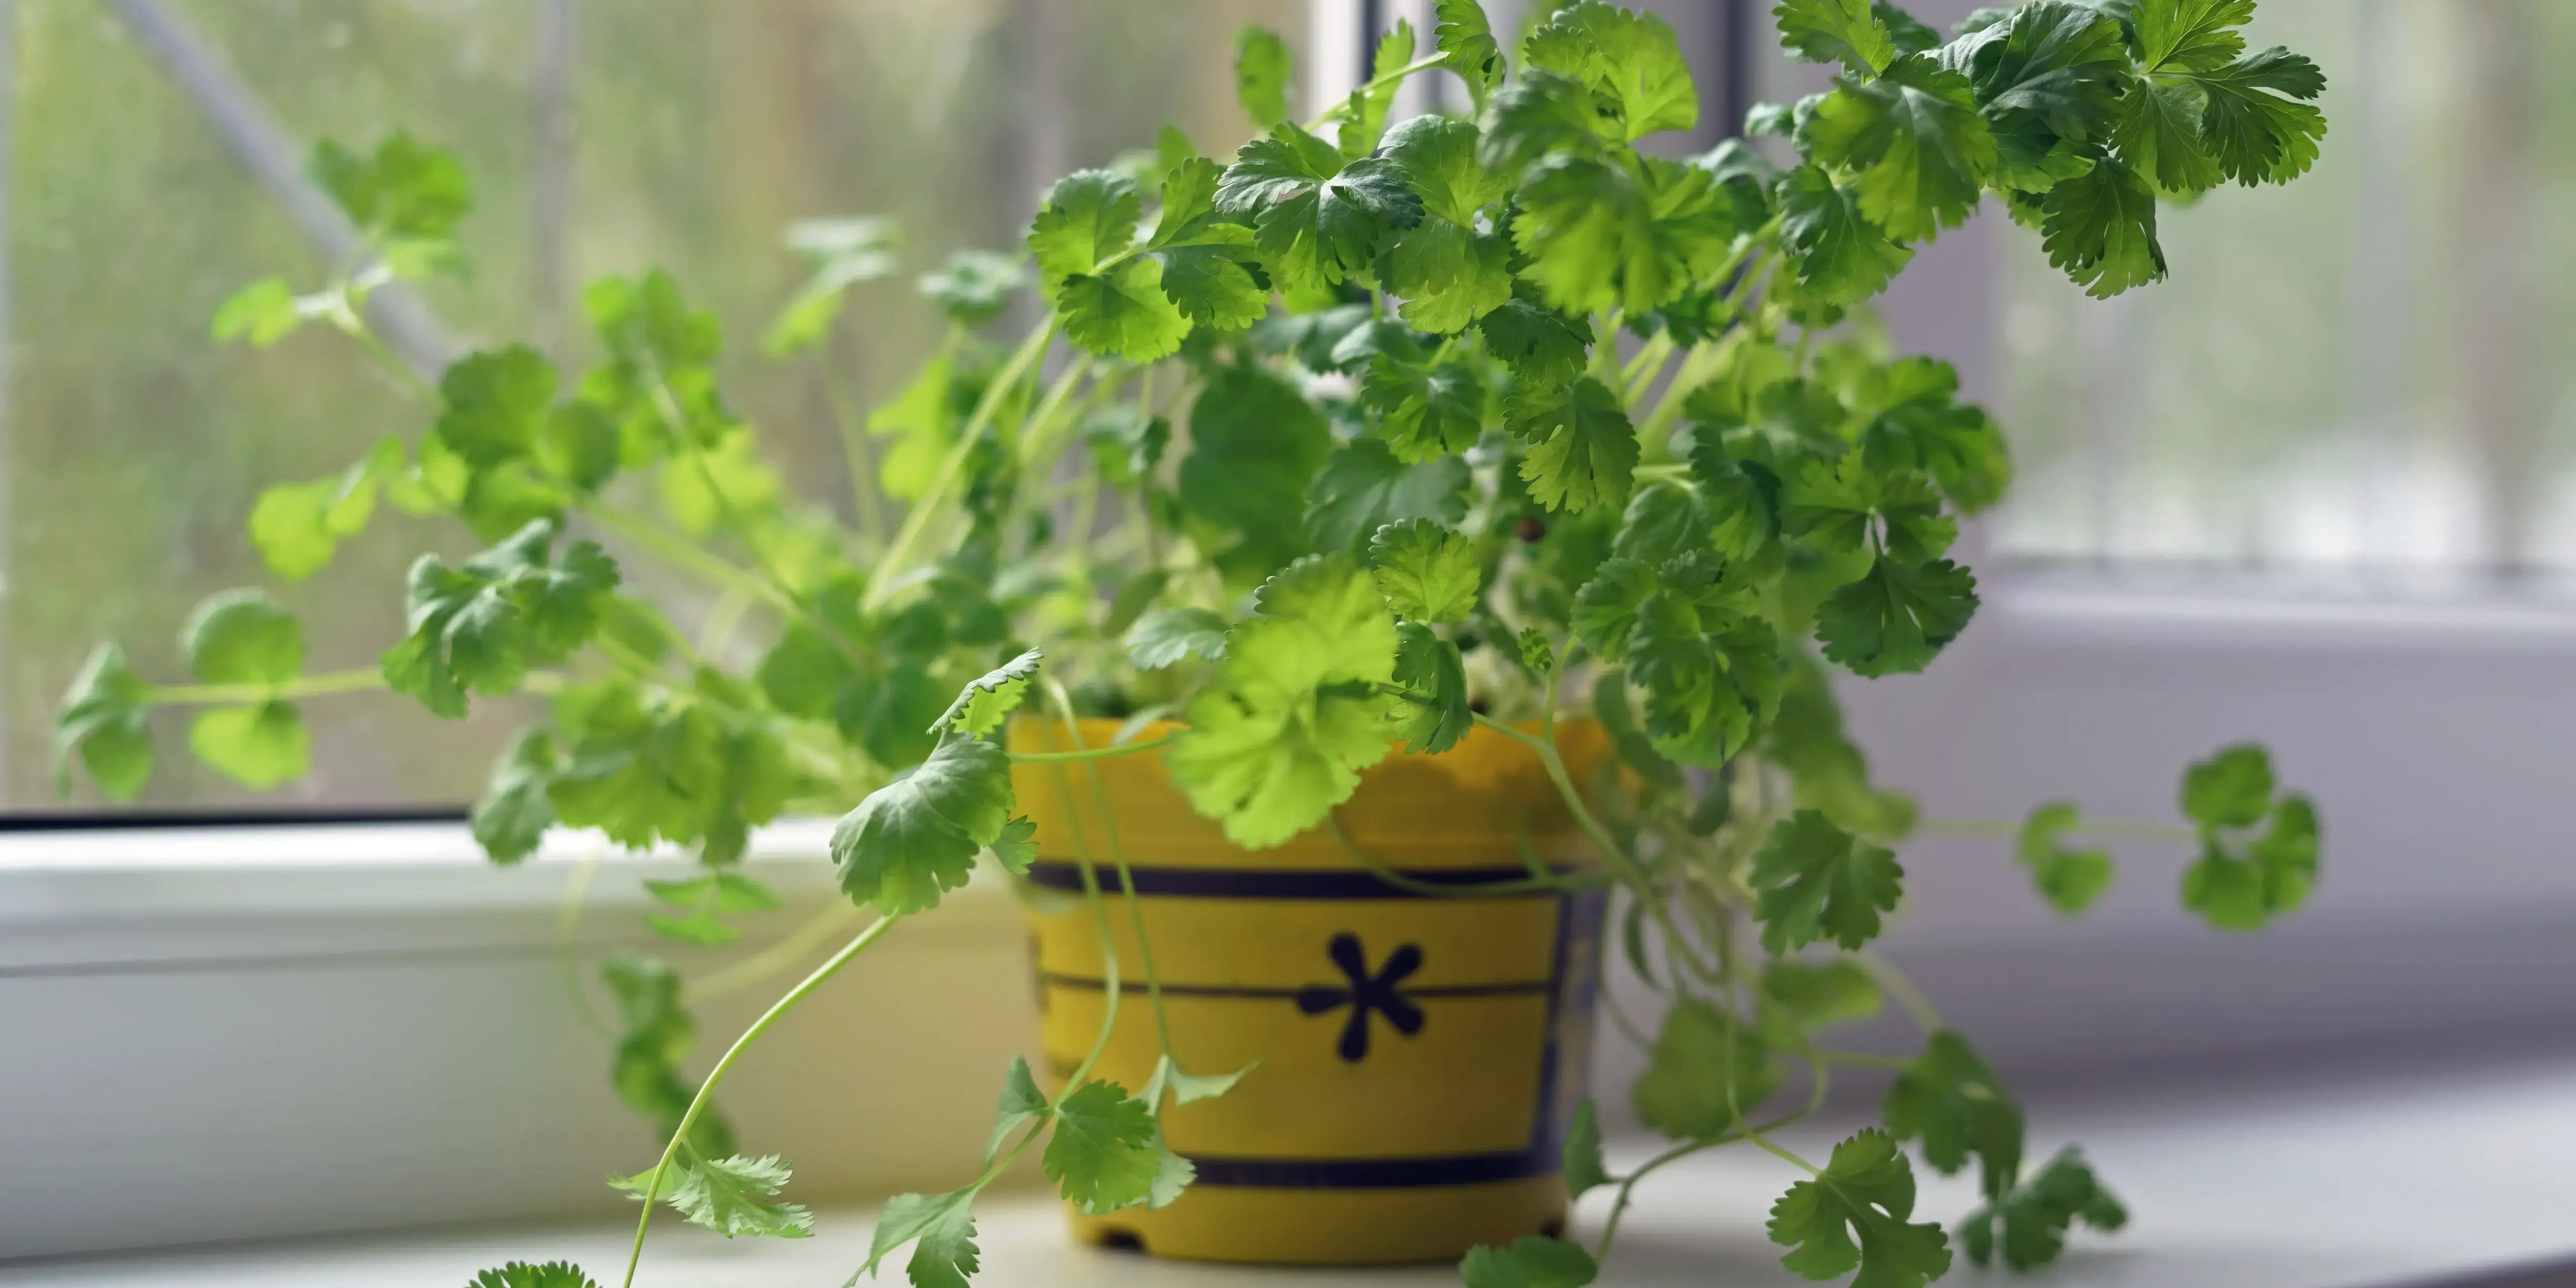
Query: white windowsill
[[2429, 1177]]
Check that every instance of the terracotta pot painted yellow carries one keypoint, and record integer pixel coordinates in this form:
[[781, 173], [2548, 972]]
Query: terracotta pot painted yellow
[[1419, 1055]]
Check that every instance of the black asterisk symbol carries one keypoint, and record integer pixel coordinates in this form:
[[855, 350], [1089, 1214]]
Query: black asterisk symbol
[[1366, 992]]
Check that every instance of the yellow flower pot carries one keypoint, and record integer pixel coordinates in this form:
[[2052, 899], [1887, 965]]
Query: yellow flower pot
[[1419, 1054]]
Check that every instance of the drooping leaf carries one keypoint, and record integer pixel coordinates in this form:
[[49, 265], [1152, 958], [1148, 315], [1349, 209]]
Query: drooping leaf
[[733, 1196], [1854, 1217], [918, 835], [1897, 617], [259, 746], [1950, 1101], [1836, 31], [2100, 227], [1106, 1150], [1584, 1168], [2029, 1226], [1817, 881], [1431, 712], [941, 1228], [1706, 1074], [1533, 1261], [989, 699]]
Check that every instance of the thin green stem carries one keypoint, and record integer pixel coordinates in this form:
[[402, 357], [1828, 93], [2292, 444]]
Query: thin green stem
[[1783, 1155], [1088, 753], [1379, 868], [724, 1065], [1063, 703], [2107, 828], [865, 501], [1334, 113], [926, 508], [568, 924], [791, 948], [367, 680], [685, 554], [1925, 1015]]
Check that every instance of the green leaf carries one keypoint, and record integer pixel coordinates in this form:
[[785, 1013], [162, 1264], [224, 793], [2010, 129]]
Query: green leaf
[[2061, 63], [1126, 314], [1839, 254], [1425, 413], [655, 1036], [1022, 1103], [1255, 445], [1363, 487], [1448, 275], [1836, 31], [1106, 1151], [2158, 136], [1428, 572], [1630, 59], [519, 1274], [974, 286], [1542, 114], [514, 813], [1432, 712], [242, 637], [844, 253], [731, 1196], [1600, 235], [405, 191], [1316, 219], [263, 313], [2034, 1219], [1866, 1190], [1261, 71], [493, 404], [1466, 40], [1537, 656], [1364, 112], [2101, 228], [480, 625], [1815, 995], [1619, 720], [1017, 847], [1088, 217], [2256, 135], [1710, 670], [2189, 35], [1845, 508], [941, 1228], [1164, 636], [989, 699], [918, 835], [1706, 1074], [1817, 881], [298, 526], [257, 746], [1896, 618], [1807, 739], [1295, 714], [1539, 344], [1532, 1261], [1950, 1101], [1919, 152], [1582, 453], [2232, 788], [2069, 879], [103, 721], [1584, 1168]]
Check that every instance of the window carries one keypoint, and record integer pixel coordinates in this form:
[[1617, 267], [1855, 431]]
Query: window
[[601, 138], [2371, 373]]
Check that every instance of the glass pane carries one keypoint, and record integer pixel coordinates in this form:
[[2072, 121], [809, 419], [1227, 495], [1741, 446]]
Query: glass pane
[[690, 134], [2372, 371]]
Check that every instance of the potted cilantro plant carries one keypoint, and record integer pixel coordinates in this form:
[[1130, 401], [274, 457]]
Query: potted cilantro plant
[[1388, 502]]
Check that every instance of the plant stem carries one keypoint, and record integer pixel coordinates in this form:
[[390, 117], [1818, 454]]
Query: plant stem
[[567, 923], [917, 521], [1088, 753], [1126, 877], [790, 947], [1334, 113], [2006, 829], [685, 554], [1925, 1015], [1378, 868], [367, 680], [865, 501], [724, 1065]]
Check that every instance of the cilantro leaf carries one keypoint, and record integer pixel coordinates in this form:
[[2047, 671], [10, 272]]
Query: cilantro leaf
[[2255, 134], [1125, 313], [989, 699], [1425, 413], [1106, 1151], [1807, 739], [1428, 572], [1866, 1190], [1110, 304], [1539, 344], [1022, 1103], [2232, 788], [1630, 59], [1600, 235], [2058, 62], [2069, 879], [1466, 40], [2243, 884], [2158, 135], [298, 526], [1363, 487], [519, 1274], [2189, 35], [1838, 253], [1316, 218], [1846, 508], [406, 195], [655, 1035], [1088, 217], [1582, 453], [1432, 712], [2035, 1217], [478, 626], [1205, 259], [918, 835], [2100, 227], [514, 813], [1813, 995], [1706, 1073], [1164, 636], [1584, 1168], [1449, 275], [493, 404], [1364, 112], [941, 1228], [1919, 151], [1897, 617], [1255, 443], [1836, 31], [242, 637], [1532, 1261], [844, 253], [731, 1196], [258, 746], [1951, 1101], [262, 313], [1261, 73], [1540, 115], [974, 286], [1295, 714], [1711, 671], [1817, 881]]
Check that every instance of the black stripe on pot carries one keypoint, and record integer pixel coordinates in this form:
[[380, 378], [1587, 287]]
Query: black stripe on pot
[[1284, 883], [1137, 988], [1372, 1173]]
